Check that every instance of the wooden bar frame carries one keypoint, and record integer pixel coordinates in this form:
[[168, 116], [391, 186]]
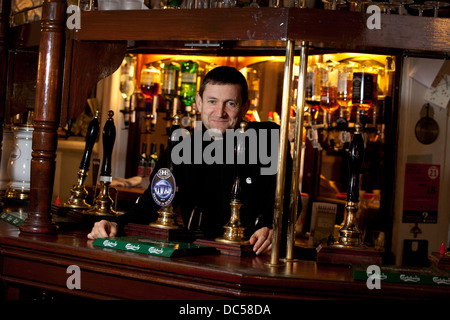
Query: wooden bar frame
[[47, 111], [61, 91]]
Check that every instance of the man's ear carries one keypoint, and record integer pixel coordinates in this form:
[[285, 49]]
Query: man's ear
[[244, 108], [198, 102]]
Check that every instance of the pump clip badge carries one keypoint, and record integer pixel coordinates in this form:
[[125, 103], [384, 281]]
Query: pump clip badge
[[163, 187]]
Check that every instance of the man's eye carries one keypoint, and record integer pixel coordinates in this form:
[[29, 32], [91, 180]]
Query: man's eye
[[232, 105]]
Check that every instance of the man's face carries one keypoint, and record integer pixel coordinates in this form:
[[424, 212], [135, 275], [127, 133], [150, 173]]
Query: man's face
[[221, 106]]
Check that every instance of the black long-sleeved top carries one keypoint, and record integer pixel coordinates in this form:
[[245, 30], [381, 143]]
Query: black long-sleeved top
[[206, 188]]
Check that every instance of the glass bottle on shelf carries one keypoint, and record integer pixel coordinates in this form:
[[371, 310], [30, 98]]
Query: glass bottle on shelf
[[170, 81], [127, 84], [149, 85], [312, 95], [365, 91], [188, 90], [344, 89], [333, 4], [151, 160], [317, 76], [253, 80], [142, 161], [127, 77], [328, 92], [167, 4]]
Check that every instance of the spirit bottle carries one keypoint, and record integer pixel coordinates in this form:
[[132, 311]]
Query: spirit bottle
[[364, 93], [328, 93], [312, 83], [253, 88], [344, 90], [188, 90], [328, 98], [127, 77], [152, 159], [142, 161], [170, 81], [127, 85], [149, 84]]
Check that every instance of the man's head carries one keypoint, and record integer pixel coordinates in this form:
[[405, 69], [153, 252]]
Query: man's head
[[223, 98]]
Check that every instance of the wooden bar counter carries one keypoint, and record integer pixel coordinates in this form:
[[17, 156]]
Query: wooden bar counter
[[41, 262]]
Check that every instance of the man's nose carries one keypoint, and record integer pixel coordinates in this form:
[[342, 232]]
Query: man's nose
[[220, 110]]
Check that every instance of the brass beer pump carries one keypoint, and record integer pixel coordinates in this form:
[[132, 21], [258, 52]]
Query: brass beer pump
[[103, 203], [78, 192], [234, 232], [349, 249], [349, 234], [166, 218], [166, 215]]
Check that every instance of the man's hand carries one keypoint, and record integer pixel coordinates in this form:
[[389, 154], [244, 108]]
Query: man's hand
[[103, 229], [262, 240]]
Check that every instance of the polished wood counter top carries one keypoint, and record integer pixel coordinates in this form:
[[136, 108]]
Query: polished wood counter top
[[38, 261]]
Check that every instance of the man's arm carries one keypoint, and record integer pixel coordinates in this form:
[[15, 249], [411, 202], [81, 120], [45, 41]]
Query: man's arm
[[142, 212]]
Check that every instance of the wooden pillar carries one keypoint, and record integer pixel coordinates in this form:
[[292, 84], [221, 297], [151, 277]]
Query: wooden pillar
[[47, 115]]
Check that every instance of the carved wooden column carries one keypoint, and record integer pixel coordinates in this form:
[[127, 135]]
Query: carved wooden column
[[47, 115]]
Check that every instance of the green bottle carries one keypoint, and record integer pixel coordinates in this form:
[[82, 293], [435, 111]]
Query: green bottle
[[188, 90]]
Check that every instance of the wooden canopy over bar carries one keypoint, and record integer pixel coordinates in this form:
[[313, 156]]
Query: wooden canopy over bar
[[332, 29]]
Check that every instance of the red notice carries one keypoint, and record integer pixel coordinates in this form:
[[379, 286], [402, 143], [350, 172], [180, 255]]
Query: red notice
[[421, 195]]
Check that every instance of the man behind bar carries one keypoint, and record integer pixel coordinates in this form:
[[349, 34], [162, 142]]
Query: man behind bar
[[204, 189]]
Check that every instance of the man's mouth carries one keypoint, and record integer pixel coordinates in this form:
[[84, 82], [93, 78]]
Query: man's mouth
[[220, 120]]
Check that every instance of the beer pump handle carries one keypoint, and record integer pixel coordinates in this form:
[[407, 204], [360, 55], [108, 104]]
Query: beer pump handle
[[355, 160], [239, 153], [109, 136], [91, 137], [236, 190], [173, 139]]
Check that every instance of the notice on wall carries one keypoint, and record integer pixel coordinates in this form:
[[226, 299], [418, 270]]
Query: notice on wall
[[323, 219], [440, 95], [421, 195]]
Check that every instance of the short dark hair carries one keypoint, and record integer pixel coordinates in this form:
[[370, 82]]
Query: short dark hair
[[225, 75]]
